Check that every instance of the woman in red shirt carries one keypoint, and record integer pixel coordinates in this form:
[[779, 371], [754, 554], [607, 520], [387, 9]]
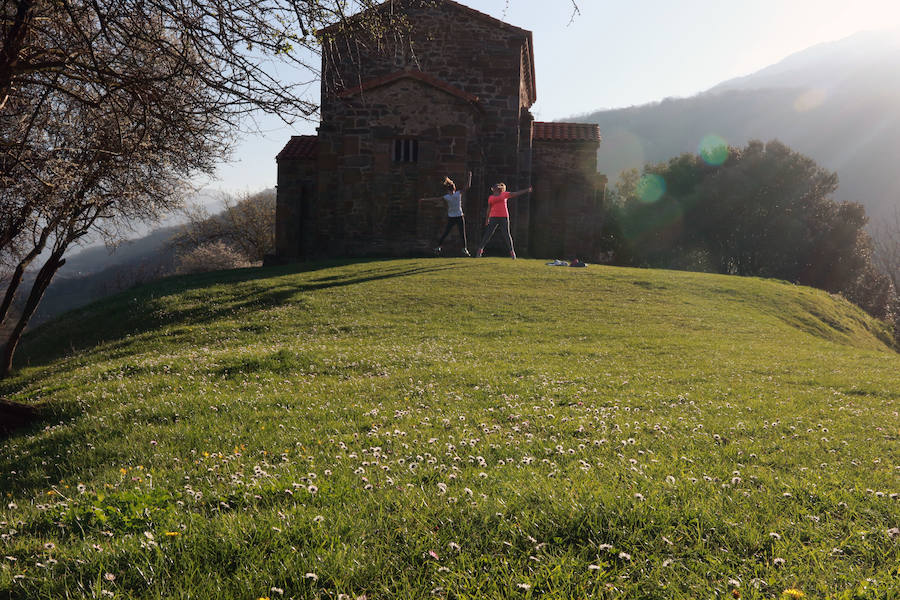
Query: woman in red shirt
[[499, 217]]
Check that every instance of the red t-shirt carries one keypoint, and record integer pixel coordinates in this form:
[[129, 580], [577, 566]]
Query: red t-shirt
[[498, 205]]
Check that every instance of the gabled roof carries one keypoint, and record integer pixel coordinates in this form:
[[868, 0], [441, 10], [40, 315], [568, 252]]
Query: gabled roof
[[566, 132], [299, 147], [518, 31], [489, 18], [393, 5], [411, 74]]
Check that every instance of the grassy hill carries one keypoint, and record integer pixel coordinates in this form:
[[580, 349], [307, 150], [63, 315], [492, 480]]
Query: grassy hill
[[455, 429]]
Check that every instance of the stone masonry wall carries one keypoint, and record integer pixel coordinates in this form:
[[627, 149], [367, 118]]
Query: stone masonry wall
[[566, 205], [297, 181], [368, 204]]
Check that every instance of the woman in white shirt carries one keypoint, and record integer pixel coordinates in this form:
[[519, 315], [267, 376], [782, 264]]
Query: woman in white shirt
[[455, 216]]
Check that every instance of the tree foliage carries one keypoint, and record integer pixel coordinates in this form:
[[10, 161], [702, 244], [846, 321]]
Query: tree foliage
[[761, 210]]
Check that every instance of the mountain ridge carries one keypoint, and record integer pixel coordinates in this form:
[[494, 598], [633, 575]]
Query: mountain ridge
[[838, 103]]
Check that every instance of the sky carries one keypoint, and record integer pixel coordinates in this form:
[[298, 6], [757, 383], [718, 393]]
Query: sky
[[616, 54]]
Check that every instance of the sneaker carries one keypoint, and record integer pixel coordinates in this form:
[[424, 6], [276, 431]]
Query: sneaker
[[466, 252], [512, 255], [478, 254], [437, 250]]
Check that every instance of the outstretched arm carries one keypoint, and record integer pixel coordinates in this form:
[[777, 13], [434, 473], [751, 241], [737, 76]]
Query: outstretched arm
[[431, 199], [519, 193]]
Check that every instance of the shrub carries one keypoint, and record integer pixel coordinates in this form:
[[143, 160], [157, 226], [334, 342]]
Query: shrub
[[213, 256]]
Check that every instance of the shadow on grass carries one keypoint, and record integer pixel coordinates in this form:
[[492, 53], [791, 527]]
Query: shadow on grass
[[15, 416], [117, 320], [47, 454]]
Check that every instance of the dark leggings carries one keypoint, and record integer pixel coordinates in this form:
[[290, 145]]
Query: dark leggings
[[460, 222], [493, 224]]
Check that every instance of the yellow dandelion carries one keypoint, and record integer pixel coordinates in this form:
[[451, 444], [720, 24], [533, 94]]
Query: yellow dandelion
[[172, 533], [793, 593]]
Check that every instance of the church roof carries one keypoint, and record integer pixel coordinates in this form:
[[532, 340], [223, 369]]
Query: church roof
[[566, 132], [299, 147], [390, 5], [516, 31], [410, 74], [487, 17]]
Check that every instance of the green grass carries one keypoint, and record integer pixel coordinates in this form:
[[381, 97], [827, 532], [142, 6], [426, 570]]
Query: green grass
[[455, 429]]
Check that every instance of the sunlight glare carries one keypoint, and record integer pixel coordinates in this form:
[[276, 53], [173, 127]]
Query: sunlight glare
[[809, 100], [651, 188], [713, 149]]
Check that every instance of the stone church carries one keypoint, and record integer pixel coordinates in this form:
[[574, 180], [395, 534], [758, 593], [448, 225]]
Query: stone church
[[453, 98]]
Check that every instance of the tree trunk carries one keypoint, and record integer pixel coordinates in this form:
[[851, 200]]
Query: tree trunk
[[44, 277], [11, 288], [17, 275]]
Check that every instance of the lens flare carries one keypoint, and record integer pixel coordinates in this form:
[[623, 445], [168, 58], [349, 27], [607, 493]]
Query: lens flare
[[651, 188], [713, 149]]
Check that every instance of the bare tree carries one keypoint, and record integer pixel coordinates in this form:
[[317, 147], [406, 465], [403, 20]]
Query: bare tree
[[247, 225], [210, 256], [108, 108], [102, 164], [229, 49], [223, 44]]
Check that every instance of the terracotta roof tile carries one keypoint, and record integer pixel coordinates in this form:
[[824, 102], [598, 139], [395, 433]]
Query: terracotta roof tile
[[567, 132], [299, 147]]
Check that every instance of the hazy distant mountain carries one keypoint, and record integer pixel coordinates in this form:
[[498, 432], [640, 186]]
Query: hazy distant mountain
[[98, 258], [838, 103], [97, 271]]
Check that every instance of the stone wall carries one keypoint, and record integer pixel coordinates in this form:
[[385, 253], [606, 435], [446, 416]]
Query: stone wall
[[294, 207], [368, 202], [566, 207]]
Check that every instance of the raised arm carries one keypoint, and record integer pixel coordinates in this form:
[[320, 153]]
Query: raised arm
[[468, 182], [519, 193]]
